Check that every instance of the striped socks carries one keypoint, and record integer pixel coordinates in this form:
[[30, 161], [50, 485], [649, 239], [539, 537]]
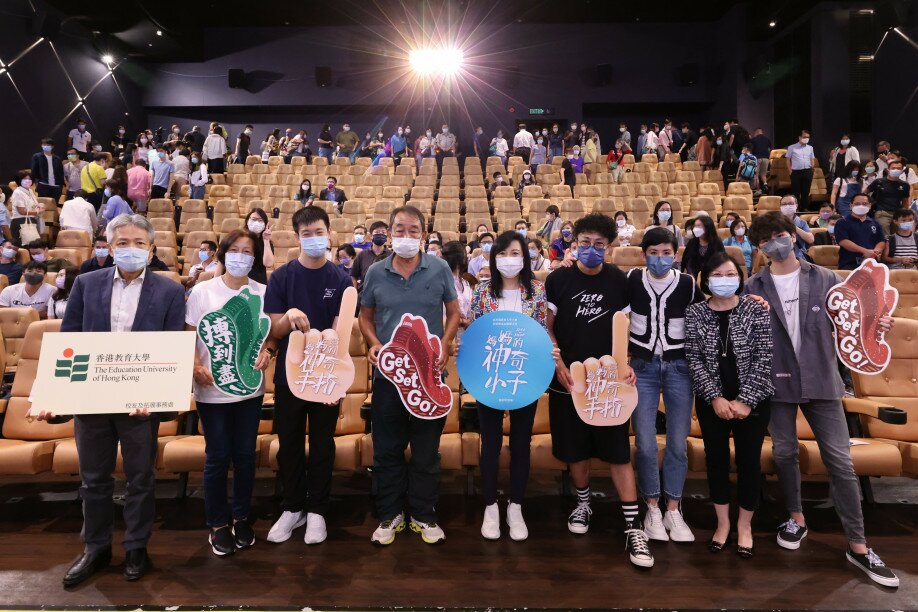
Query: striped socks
[[631, 511], [583, 495]]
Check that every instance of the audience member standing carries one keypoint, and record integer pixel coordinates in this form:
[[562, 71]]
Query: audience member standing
[[802, 162]]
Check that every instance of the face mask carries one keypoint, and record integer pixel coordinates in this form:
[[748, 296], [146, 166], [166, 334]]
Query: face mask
[[358, 238], [726, 127], [779, 249], [660, 265], [664, 215], [39, 257], [408, 131], [445, 130], [854, 173], [509, 267], [27, 183], [176, 131], [729, 222], [34, 279], [486, 247], [620, 222], [544, 132], [576, 153], [428, 133], [566, 233], [9, 253], [203, 255], [825, 216], [788, 210], [347, 128], [380, 136], [570, 156], [698, 232], [330, 185], [400, 132], [574, 127], [406, 248], [831, 229], [121, 132], [81, 127], [590, 256], [845, 142], [860, 210], [239, 264], [73, 158], [522, 232], [101, 252], [533, 254], [46, 148], [668, 128], [143, 141], [622, 130], [895, 173], [378, 239], [540, 141], [723, 286], [131, 259], [256, 225], [59, 281], [554, 130], [804, 141], [868, 170], [719, 142], [643, 130], [906, 226], [345, 261], [248, 132], [314, 246], [740, 231]]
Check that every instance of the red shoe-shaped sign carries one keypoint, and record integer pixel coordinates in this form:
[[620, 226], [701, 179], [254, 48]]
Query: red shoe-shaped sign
[[409, 361], [856, 307]]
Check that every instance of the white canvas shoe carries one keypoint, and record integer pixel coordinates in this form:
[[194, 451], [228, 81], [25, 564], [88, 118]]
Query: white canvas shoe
[[490, 524], [518, 529], [283, 528], [653, 525], [315, 529]]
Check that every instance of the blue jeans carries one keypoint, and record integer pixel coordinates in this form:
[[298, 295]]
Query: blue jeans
[[552, 151], [326, 152], [674, 379], [843, 204], [230, 431], [196, 192]]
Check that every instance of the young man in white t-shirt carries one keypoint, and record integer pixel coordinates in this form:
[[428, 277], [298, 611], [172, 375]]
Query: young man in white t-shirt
[[32, 292], [79, 138]]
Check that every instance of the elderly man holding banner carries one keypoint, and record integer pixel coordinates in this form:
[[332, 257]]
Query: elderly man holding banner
[[125, 298]]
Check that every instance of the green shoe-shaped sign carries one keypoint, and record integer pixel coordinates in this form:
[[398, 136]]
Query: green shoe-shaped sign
[[233, 336]]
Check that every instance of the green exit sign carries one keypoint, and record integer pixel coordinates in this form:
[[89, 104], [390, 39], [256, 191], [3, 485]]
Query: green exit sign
[[541, 111]]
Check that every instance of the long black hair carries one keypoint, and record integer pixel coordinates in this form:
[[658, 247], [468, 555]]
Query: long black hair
[[453, 253], [502, 243]]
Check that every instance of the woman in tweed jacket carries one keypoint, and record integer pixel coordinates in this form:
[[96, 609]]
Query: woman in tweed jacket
[[728, 347]]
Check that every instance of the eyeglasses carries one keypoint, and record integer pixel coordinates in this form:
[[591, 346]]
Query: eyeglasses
[[585, 244]]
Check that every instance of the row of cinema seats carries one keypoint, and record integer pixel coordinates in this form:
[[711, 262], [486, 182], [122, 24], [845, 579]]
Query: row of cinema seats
[[883, 448]]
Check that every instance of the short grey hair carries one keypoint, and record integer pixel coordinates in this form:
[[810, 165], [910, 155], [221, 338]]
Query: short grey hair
[[123, 221]]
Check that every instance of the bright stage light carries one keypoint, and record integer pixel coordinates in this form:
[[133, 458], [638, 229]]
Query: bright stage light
[[436, 61], [107, 59]]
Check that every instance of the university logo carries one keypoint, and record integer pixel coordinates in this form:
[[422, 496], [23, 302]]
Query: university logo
[[72, 367]]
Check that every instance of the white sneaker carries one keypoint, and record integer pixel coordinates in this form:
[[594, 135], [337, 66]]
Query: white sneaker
[[678, 530], [283, 528], [385, 533], [518, 529], [653, 525], [315, 529], [490, 525], [431, 533]]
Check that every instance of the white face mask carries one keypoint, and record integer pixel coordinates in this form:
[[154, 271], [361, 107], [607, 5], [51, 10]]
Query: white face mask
[[698, 232], [256, 225], [788, 210], [845, 142], [239, 264], [860, 210], [509, 267], [804, 141], [620, 222], [406, 247], [740, 231]]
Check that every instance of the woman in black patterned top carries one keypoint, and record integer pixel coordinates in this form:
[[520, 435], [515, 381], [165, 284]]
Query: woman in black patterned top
[[728, 347]]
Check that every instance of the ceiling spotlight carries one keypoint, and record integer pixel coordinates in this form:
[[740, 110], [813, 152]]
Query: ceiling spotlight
[[772, 23], [436, 61], [107, 59], [159, 32]]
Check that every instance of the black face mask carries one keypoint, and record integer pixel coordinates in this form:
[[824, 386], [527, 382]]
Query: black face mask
[[34, 279], [379, 239]]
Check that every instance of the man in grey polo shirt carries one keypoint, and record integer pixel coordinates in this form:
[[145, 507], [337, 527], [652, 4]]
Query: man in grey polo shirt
[[408, 281], [445, 145]]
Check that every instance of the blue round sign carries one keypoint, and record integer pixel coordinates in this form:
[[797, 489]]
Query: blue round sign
[[505, 360]]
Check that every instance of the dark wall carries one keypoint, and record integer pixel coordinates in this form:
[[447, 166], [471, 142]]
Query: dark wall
[[895, 107], [39, 91]]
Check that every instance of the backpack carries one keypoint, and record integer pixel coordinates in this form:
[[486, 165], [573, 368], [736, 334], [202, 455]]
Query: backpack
[[748, 167]]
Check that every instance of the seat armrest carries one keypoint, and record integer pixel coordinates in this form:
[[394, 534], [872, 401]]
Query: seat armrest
[[875, 410], [2, 406]]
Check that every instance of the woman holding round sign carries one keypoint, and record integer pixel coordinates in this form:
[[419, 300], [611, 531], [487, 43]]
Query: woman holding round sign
[[510, 353], [227, 312]]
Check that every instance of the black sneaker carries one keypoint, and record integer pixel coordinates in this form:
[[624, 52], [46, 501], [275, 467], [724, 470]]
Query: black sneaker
[[873, 566], [579, 520], [790, 534], [243, 534], [221, 541], [636, 545]]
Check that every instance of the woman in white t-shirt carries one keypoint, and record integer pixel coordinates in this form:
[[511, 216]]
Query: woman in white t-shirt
[[57, 305], [229, 417], [624, 228]]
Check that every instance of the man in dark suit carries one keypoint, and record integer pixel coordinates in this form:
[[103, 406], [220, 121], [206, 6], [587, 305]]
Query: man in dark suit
[[48, 170], [331, 193], [125, 298]]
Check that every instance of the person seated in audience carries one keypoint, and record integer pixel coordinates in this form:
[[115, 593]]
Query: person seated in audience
[[485, 242], [738, 238], [733, 388], [560, 247], [102, 256], [331, 193], [434, 238], [804, 345], [453, 253], [623, 227], [38, 250], [304, 194], [702, 245], [827, 238], [5, 231], [849, 182], [230, 422], [207, 262], [57, 305], [859, 237], [902, 247], [346, 254], [433, 249], [497, 180], [552, 223], [78, 214], [525, 181], [25, 204], [9, 264], [729, 219], [889, 194], [360, 238], [156, 264], [379, 235], [32, 292], [663, 217], [826, 210], [115, 204], [804, 237], [521, 227], [481, 229], [537, 258]]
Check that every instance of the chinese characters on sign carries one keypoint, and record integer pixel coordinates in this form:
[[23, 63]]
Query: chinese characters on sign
[[600, 394], [504, 351]]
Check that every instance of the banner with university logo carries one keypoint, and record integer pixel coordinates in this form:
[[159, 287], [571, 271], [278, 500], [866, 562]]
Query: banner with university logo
[[856, 307], [233, 336], [112, 372], [409, 361], [319, 365], [505, 360], [600, 394]]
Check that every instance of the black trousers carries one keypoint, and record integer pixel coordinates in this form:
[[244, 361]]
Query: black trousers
[[748, 435], [95, 198], [157, 192], [440, 157], [524, 152], [492, 440], [801, 181], [50, 191], [306, 481]]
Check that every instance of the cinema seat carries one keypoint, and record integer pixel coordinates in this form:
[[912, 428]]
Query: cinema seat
[[906, 282], [14, 325], [824, 255]]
